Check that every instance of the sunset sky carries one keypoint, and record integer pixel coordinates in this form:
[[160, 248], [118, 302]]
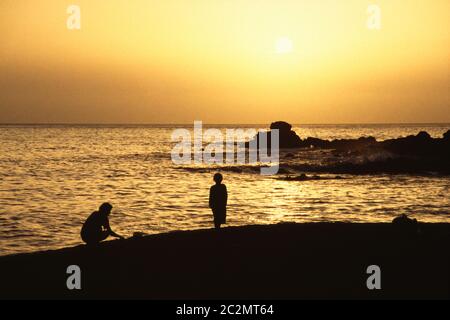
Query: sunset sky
[[224, 61]]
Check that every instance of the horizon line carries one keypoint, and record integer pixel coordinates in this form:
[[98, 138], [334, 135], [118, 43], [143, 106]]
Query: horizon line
[[206, 123]]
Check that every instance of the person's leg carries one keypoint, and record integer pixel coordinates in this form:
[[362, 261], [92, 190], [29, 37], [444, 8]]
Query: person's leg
[[220, 216], [104, 235], [96, 238], [216, 219]]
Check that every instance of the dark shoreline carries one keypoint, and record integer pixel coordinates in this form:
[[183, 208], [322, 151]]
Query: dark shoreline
[[283, 261]]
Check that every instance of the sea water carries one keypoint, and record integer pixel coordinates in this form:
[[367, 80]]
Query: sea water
[[53, 176]]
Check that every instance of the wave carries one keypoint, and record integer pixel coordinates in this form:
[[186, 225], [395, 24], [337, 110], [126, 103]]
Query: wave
[[374, 163]]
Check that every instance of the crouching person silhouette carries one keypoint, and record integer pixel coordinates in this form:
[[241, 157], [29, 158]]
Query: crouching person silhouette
[[218, 197], [96, 228]]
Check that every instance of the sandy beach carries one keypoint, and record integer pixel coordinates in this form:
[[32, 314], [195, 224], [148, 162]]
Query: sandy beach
[[283, 261]]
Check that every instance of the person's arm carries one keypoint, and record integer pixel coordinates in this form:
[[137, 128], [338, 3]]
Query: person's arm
[[226, 195], [112, 233], [211, 200]]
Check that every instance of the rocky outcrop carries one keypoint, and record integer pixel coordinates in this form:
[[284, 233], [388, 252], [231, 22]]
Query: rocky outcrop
[[339, 144], [282, 126], [288, 137], [421, 144]]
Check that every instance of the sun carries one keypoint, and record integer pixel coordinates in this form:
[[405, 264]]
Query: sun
[[283, 45]]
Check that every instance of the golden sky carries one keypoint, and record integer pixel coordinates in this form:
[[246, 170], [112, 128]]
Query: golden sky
[[175, 61]]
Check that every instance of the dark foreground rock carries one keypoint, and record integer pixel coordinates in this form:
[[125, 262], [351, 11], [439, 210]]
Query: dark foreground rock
[[292, 261]]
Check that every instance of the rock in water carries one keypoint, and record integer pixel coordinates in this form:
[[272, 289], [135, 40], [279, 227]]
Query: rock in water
[[281, 125], [288, 137]]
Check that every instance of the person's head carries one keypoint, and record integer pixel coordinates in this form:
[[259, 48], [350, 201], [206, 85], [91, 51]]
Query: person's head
[[218, 178], [105, 208]]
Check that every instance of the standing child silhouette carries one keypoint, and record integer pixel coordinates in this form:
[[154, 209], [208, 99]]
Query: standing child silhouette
[[218, 197]]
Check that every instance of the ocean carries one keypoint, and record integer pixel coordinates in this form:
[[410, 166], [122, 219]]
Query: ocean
[[53, 176]]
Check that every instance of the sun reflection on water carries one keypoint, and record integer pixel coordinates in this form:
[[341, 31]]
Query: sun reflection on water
[[53, 178]]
